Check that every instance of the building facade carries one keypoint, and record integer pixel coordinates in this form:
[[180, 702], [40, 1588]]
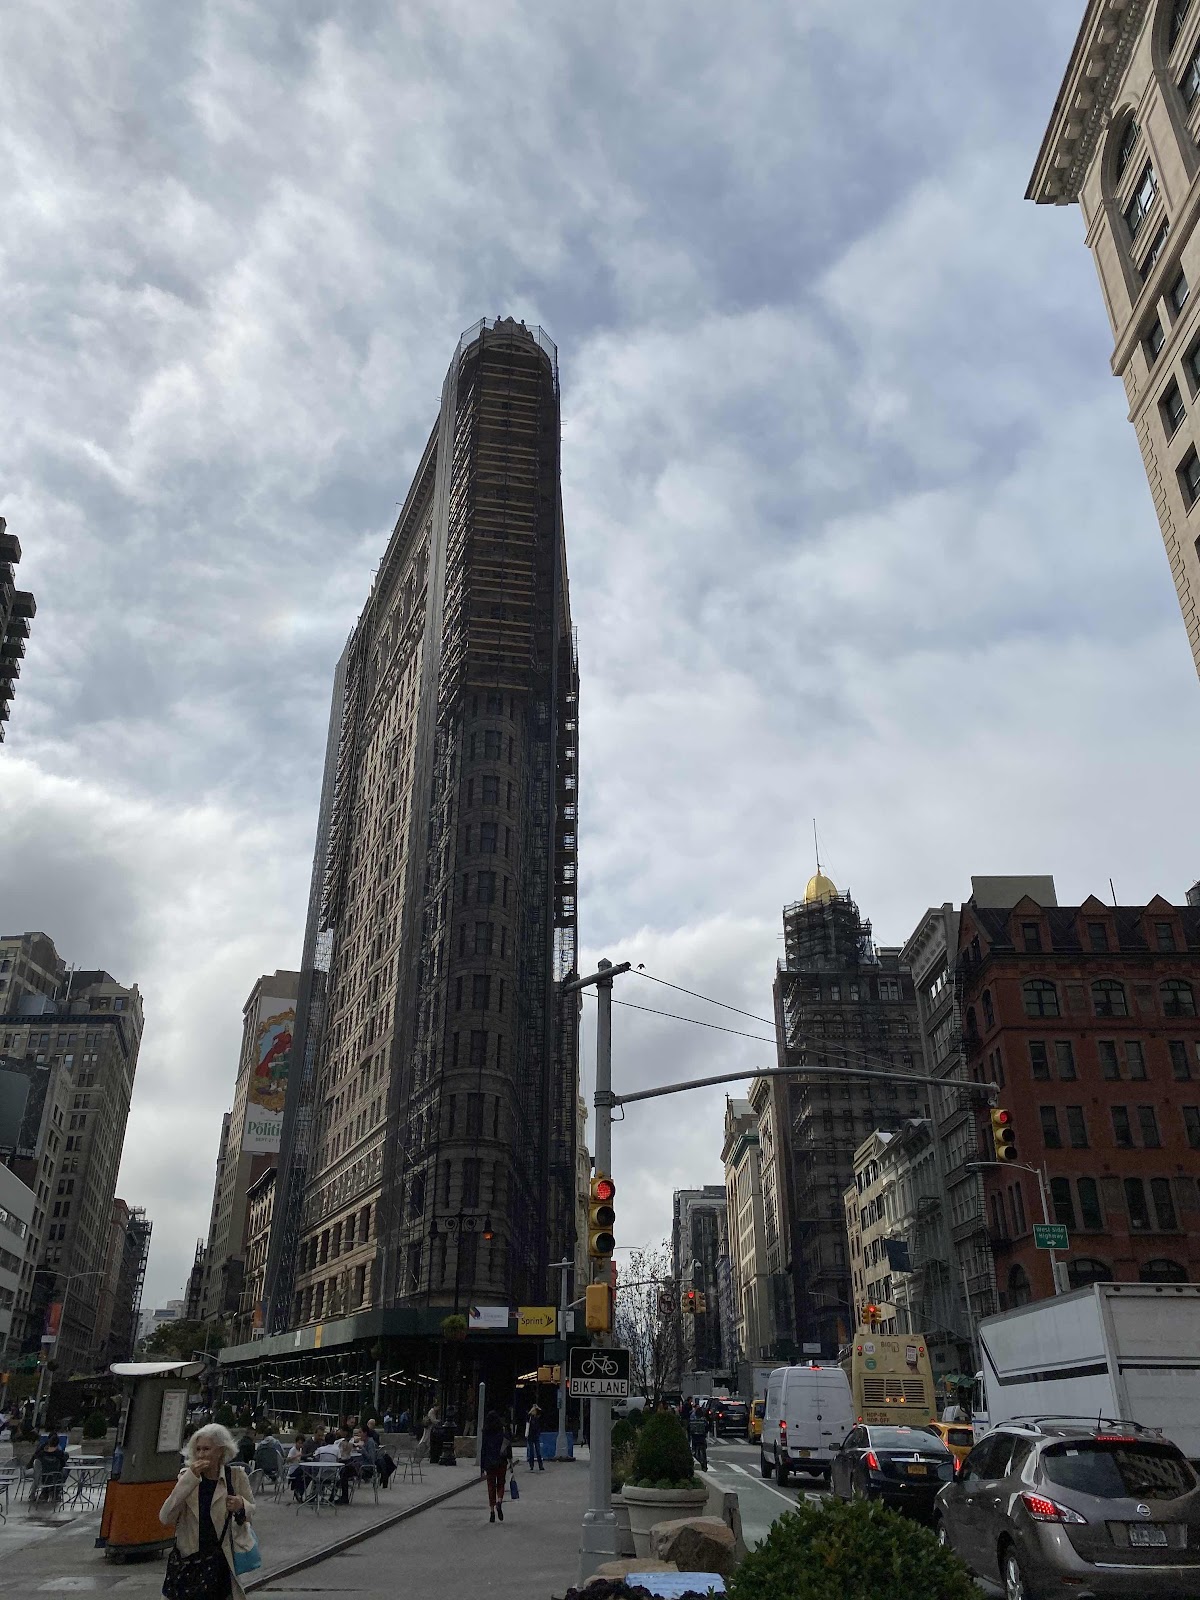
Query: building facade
[[17, 1205], [696, 1225], [750, 1280], [121, 1286], [429, 1146], [73, 1037], [260, 1211], [1122, 143], [839, 1003], [17, 611], [1085, 1018]]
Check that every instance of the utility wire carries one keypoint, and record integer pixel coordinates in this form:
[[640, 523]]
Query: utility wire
[[639, 972]]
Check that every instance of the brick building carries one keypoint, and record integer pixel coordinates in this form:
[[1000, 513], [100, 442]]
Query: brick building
[[1086, 1017]]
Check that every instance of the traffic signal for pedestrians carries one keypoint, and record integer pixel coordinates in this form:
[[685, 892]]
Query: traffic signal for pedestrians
[[601, 1217], [688, 1302], [1004, 1136], [597, 1307]]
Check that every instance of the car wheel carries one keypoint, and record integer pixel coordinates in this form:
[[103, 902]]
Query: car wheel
[[1016, 1584], [764, 1465], [781, 1472]]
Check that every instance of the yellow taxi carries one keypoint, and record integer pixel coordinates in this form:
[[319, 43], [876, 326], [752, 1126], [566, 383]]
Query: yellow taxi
[[958, 1437], [754, 1426]]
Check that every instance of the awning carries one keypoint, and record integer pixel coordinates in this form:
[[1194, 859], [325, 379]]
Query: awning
[[157, 1369]]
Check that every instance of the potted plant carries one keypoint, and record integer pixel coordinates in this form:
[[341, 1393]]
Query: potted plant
[[454, 1327], [662, 1485]]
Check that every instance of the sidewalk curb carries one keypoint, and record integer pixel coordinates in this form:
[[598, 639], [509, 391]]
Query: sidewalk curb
[[328, 1550]]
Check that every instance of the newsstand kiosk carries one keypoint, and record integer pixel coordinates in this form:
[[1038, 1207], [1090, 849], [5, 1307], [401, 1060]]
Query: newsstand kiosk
[[146, 1459]]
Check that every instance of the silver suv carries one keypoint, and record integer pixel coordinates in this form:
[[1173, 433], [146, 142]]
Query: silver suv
[[1053, 1506]]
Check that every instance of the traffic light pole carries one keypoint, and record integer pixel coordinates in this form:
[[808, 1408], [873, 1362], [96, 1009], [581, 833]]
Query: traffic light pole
[[598, 1536], [1024, 1166]]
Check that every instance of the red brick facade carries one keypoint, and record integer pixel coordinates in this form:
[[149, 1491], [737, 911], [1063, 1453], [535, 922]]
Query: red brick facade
[[1086, 1016]]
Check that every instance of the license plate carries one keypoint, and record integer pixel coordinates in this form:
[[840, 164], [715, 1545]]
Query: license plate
[[803, 1453], [918, 1469], [1142, 1534]]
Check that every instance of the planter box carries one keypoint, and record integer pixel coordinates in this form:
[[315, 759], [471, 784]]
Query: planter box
[[648, 1506]]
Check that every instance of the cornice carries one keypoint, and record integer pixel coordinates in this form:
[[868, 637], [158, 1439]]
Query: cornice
[[1101, 55]]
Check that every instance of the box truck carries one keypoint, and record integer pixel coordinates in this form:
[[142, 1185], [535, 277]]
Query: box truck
[[1111, 1351]]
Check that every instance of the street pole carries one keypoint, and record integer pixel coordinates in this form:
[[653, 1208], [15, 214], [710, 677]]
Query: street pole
[[1023, 1166], [560, 1443]]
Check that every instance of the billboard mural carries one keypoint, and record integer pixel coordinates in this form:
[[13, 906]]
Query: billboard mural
[[268, 1076]]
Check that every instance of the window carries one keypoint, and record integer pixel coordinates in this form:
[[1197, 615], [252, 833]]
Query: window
[[491, 745], [1140, 201], [1097, 932], [487, 838], [1177, 998], [1084, 1270], [485, 888], [483, 938], [1041, 998], [1122, 1131], [1107, 1051], [1060, 1199], [1020, 1293], [1039, 1063], [1051, 1137], [1164, 936], [1164, 1204], [478, 1048], [1064, 1060], [491, 791], [1135, 1204], [1127, 145], [481, 991], [1188, 474], [1031, 936], [1189, 85], [1171, 408], [1181, 1067], [1153, 340], [1162, 1271], [1192, 365], [1148, 1123], [1090, 1216], [1108, 998], [1077, 1128], [889, 989], [1179, 13], [1191, 1124], [470, 1190], [1157, 245], [1177, 294], [1135, 1060], [989, 1016]]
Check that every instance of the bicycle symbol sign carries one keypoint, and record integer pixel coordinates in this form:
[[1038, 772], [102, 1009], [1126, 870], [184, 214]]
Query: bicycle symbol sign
[[598, 1374]]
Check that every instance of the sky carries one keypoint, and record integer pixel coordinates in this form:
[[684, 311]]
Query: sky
[[857, 528]]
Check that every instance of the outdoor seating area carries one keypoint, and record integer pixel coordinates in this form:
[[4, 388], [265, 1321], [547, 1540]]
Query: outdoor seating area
[[51, 1491]]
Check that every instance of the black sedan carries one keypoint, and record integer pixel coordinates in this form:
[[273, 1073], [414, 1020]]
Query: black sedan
[[729, 1416], [903, 1467]]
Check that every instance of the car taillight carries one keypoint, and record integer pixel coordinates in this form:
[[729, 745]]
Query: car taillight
[[1116, 1438], [1043, 1510], [782, 1425], [872, 1460]]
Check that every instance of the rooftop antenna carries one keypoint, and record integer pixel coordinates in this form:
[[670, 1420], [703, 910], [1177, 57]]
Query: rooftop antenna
[[1112, 891], [816, 847]]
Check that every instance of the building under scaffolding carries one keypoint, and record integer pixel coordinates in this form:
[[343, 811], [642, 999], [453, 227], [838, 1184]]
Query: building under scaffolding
[[428, 1154]]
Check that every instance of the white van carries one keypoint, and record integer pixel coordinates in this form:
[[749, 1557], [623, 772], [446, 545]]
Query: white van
[[809, 1412]]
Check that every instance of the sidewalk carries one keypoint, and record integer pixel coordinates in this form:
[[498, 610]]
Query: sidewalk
[[62, 1559]]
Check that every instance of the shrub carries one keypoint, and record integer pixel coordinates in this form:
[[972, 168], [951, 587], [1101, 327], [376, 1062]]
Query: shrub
[[623, 1433], [858, 1551], [95, 1426], [622, 1465], [663, 1458]]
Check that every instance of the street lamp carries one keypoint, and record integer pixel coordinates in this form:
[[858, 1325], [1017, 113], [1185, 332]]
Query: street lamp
[[46, 1378]]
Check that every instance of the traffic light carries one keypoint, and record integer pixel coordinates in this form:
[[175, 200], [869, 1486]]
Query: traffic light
[[701, 1303], [601, 1217], [1004, 1136], [688, 1303], [597, 1307], [871, 1316]]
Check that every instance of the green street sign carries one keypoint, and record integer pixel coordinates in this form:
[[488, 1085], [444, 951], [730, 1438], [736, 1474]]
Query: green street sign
[[1050, 1236]]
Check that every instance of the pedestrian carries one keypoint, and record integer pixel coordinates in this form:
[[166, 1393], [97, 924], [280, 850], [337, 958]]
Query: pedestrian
[[211, 1523], [495, 1457], [433, 1419], [404, 1425], [245, 1448], [697, 1428], [533, 1438]]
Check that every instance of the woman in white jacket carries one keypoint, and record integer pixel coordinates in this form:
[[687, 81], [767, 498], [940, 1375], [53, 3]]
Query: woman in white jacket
[[199, 1504]]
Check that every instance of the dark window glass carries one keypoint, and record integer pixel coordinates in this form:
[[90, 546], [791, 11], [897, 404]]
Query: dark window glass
[[1177, 998], [1164, 936], [1141, 200], [1157, 245], [1179, 11], [988, 1014], [1135, 1204], [1077, 1127], [1107, 1051], [1153, 340], [1051, 1137], [1178, 293], [1041, 998], [1148, 1123], [1188, 473], [1162, 1271], [1039, 1063], [905, 1439], [1108, 998], [491, 745], [478, 1048], [1180, 1064], [1190, 83], [1031, 936], [1122, 1131], [1060, 1199], [487, 838], [1140, 1471], [1172, 408], [1064, 1058], [1164, 1204], [481, 991], [485, 888], [1097, 932], [1090, 1215], [1135, 1060], [1127, 145], [483, 938], [491, 791]]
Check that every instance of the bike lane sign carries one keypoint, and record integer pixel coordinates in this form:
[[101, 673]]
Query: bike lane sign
[[598, 1374]]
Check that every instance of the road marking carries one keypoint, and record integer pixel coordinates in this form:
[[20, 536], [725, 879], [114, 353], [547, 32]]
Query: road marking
[[763, 1484]]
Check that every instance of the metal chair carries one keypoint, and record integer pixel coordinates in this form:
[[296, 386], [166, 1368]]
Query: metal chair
[[410, 1462]]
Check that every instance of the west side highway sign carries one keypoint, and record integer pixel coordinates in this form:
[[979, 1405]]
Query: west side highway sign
[[598, 1374]]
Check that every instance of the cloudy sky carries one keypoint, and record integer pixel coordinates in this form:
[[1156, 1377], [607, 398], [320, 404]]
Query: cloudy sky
[[857, 527]]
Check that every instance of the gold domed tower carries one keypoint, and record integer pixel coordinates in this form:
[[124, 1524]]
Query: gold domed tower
[[820, 890]]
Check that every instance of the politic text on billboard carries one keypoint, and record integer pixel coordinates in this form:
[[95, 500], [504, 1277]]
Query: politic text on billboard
[[268, 1076]]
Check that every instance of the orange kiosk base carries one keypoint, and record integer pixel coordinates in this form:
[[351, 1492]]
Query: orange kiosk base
[[147, 1458]]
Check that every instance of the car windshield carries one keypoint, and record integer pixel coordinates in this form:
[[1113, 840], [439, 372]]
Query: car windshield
[[960, 1436], [1111, 1471], [905, 1439]]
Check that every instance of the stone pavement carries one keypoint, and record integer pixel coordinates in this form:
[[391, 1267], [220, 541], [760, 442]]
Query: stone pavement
[[37, 1558]]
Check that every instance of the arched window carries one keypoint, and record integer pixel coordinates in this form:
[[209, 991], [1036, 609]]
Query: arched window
[[1177, 998], [1086, 1269], [972, 1024], [1126, 146], [1019, 1291], [1041, 998], [1108, 998], [1163, 1271], [989, 1016]]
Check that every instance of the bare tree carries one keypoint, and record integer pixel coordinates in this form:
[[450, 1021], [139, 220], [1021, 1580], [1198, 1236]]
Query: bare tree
[[648, 1329]]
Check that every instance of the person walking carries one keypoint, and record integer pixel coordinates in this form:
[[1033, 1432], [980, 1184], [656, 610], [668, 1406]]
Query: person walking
[[495, 1457], [533, 1438], [433, 1419], [205, 1514], [697, 1427]]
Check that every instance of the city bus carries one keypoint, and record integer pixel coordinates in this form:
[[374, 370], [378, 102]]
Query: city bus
[[891, 1379]]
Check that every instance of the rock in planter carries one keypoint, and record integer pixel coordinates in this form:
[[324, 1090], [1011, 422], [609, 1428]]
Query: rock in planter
[[695, 1544], [648, 1506]]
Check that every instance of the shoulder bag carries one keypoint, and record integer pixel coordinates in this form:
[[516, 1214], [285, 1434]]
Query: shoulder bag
[[197, 1576], [247, 1557]]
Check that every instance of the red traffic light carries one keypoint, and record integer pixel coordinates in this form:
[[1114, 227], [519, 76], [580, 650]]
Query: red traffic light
[[1002, 1118], [603, 1189]]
